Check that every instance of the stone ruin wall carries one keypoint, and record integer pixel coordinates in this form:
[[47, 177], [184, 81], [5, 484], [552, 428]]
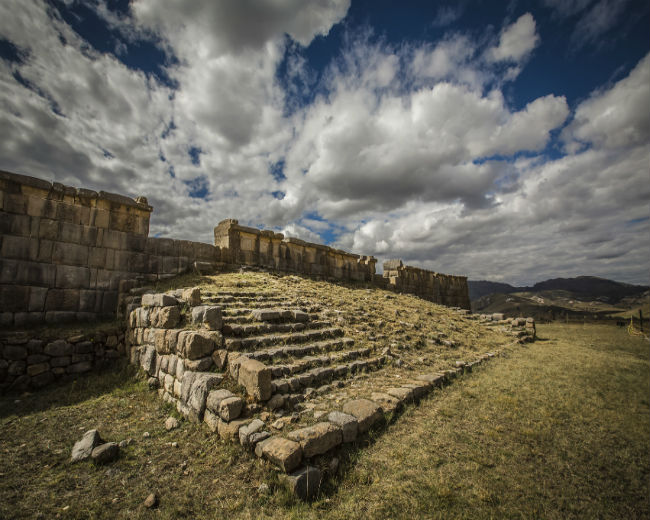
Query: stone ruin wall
[[445, 289], [64, 251], [250, 246], [68, 253]]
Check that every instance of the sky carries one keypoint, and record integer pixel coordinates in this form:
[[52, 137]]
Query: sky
[[507, 141]]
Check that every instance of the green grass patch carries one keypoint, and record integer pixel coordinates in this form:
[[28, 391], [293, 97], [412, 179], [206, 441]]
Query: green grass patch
[[554, 429]]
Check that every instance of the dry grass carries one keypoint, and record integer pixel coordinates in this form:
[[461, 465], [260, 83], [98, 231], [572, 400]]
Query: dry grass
[[555, 429]]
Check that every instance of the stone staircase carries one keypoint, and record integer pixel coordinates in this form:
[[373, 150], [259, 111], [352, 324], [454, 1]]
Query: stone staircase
[[272, 371], [303, 351]]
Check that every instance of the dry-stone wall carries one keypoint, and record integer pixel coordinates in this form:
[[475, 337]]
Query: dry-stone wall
[[64, 251], [250, 246], [30, 361], [247, 364], [444, 289]]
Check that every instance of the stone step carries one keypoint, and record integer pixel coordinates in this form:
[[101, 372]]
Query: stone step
[[258, 328], [243, 315], [243, 293], [281, 354], [254, 342], [236, 298], [319, 376], [308, 362]]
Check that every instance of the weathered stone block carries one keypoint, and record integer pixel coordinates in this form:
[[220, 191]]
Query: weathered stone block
[[158, 300], [366, 412], [230, 430], [215, 397], [97, 257], [37, 299], [195, 345], [39, 368], [230, 408], [220, 358], [304, 483], [192, 296], [201, 385], [62, 300], [245, 432], [208, 316], [167, 317], [72, 277], [20, 248], [265, 314], [211, 420], [69, 254], [148, 360], [78, 368], [198, 365], [58, 348], [62, 361], [13, 352], [282, 452], [255, 377], [317, 439], [348, 424]]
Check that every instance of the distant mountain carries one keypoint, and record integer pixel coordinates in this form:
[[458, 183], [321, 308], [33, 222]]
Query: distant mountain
[[578, 297], [483, 288], [591, 287]]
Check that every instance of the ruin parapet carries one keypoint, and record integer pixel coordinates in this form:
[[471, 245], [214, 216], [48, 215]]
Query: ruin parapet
[[449, 290], [265, 248]]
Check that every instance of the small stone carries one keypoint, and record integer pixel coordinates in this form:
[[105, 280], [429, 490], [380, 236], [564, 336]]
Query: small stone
[[264, 489], [84, 448], [278, 425], [276, 401], [146, 435], [151, 501], [171, 423], [105, 453], [245, 432]]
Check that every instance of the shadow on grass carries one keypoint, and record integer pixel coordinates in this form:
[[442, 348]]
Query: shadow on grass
[[119, 374]]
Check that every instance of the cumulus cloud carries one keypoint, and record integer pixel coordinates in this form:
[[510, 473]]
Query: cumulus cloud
[[516, 41], [613, 118], [411, 151]]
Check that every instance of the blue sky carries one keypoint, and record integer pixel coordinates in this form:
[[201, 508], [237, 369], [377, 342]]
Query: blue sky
[[500, 140]]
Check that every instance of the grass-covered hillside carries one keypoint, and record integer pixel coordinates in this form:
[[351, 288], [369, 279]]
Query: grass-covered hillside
[[552, 429]]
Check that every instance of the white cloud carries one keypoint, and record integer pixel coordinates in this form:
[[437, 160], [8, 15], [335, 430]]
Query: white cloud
[[407, 152], [516, 41], [616, 118]]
